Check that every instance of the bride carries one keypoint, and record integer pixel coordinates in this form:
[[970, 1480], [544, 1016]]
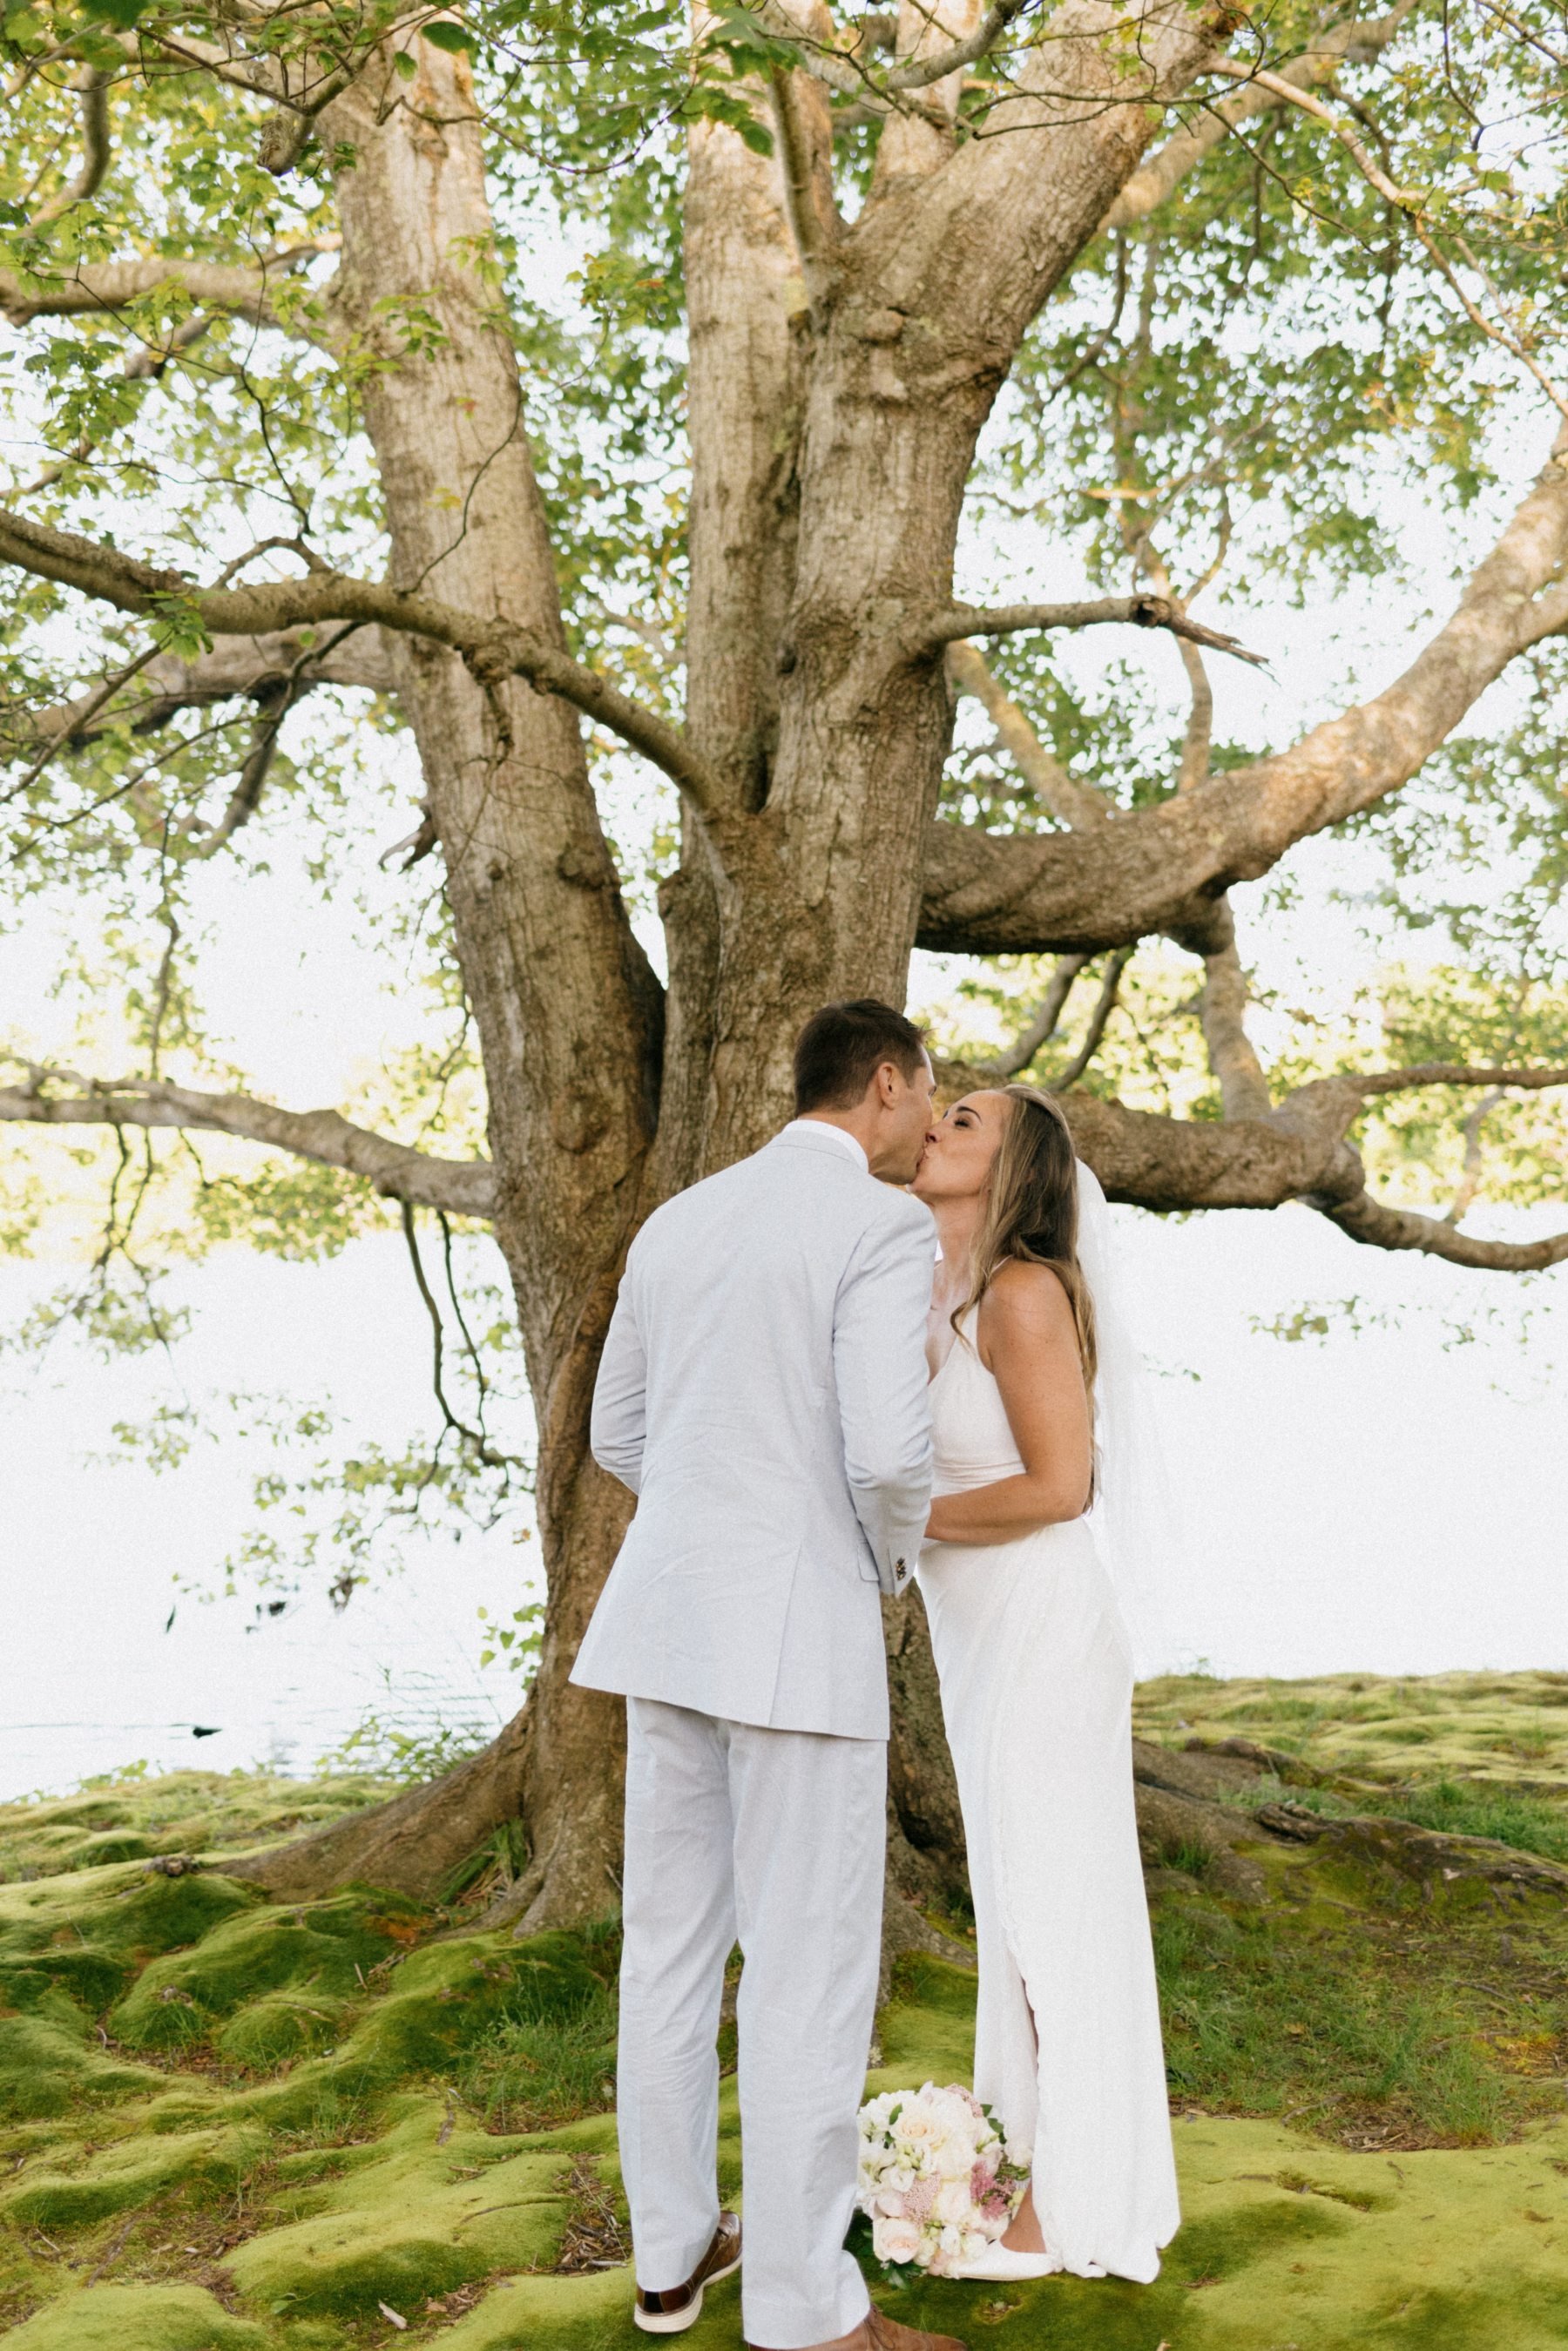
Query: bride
[[1030, 1554]]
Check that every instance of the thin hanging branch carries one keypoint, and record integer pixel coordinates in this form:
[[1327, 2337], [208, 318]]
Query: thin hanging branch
[[1045, 1022], [475, 1439], [1097, 1020]]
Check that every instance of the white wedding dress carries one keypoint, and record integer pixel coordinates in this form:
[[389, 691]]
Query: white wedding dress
[[1037, 1680]]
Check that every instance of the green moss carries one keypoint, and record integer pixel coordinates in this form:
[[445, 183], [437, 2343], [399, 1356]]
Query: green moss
[[48, 2064], [432, 2092], [413, 2218], [443, 1997], [124, 1912], [130, 2174], [552, 2055], [582, 2314], [88, 1976], [185, 1812], [927, 2027], [275, 2032], [138, 2318], [322, 1953], [1484, 1725]]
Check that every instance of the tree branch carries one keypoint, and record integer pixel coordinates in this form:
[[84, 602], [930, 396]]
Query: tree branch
[[944, 628], [1104, 1006], [1367, 1220], [1404, 201], [1298, 1153], [1153, 182], [1243, 1088], [494, 650], [1469, 1182], [92, 83], [1048, 1013], [1071, 803], [233, 667], [921, 72], [463, 1187], [103, 289], [1160, 869], [974, 249], [809, 203]]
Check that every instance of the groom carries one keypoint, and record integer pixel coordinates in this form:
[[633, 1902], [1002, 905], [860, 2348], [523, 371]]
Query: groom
[[763, 1394]]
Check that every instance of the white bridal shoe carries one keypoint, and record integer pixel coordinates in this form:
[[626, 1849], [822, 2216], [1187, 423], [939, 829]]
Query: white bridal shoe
[[1000, 2266]]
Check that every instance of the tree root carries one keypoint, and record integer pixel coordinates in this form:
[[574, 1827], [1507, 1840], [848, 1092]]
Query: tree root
[[1425, 1854]]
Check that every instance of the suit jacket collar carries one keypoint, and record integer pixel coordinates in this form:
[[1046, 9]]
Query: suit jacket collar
[[804, 1135]]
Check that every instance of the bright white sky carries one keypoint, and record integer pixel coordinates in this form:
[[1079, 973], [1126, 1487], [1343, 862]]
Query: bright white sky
[[1387, 1501]]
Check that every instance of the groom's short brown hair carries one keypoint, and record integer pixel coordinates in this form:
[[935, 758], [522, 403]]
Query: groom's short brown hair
[[840, 1048]]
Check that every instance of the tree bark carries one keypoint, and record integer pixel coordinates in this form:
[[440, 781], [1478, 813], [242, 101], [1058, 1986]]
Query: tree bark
[[567, 1013]]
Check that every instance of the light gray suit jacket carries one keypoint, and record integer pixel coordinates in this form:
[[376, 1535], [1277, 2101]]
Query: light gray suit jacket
[[763, 1392]]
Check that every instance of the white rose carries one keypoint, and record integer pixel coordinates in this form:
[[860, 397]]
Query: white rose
[[916, 2127], [954, 2202], [895, 2241]]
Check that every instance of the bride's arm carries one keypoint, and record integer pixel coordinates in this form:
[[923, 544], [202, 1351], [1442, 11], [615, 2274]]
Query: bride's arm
[[1027, 1340]]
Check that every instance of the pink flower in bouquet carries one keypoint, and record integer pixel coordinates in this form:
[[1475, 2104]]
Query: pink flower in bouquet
[[918, 2202]]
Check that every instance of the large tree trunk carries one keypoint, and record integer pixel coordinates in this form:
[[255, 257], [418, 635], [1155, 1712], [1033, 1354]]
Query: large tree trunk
[[568, 1014]]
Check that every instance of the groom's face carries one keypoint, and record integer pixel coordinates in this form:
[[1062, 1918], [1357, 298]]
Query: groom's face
[[906, 1106]]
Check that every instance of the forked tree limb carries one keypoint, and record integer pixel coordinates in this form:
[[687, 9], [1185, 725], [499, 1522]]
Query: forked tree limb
[[1105, 1004], [463, 1188], [1244, 1090], [1043, 1024], [1298, 1153], [1160, 869], [493, 649]]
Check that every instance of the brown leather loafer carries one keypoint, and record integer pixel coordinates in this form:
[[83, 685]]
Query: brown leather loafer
[[673, 2312], [883, 2334], [887, 2335]]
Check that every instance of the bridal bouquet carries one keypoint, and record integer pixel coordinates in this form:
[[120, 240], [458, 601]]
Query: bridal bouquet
[[935, 2179]]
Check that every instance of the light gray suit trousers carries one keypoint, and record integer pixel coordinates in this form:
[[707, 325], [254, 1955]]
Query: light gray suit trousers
[[763, 1392]]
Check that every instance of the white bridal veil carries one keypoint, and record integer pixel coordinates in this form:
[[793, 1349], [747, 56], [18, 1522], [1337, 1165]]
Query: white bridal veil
[[1134, 1518]]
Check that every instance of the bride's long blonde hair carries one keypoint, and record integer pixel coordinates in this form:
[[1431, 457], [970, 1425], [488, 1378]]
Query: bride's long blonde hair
[[1031, 1211]]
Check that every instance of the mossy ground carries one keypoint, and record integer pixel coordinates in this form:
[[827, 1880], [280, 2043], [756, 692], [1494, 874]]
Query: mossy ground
[[227, 2125]]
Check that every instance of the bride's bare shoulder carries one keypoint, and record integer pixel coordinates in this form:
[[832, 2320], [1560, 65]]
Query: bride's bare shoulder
[[1025, 1305]]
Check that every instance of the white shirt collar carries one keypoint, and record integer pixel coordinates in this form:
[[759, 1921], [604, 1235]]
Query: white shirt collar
[[821, 1126]]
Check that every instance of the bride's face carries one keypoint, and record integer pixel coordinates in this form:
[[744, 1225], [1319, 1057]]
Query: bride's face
[[960, 1148]]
